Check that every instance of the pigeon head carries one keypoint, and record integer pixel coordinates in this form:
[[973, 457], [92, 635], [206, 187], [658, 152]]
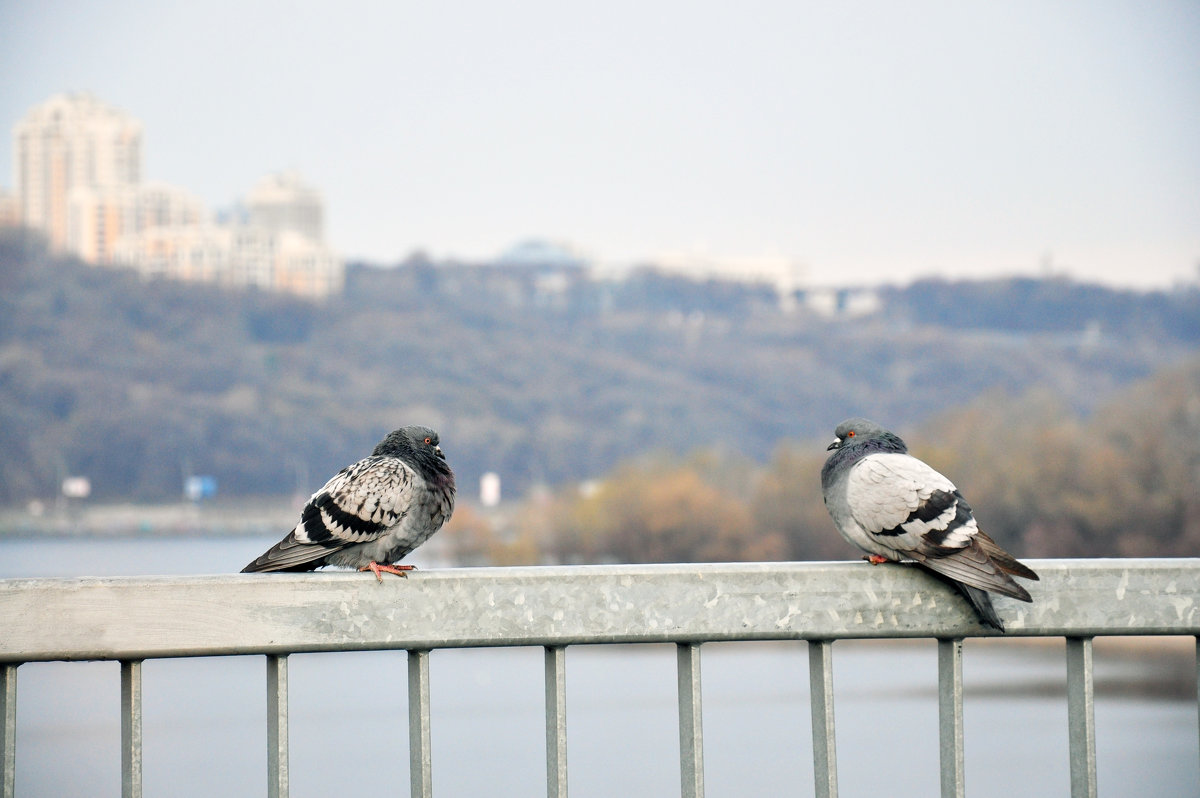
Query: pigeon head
[[418, 446], [856, 439], [860, 430]]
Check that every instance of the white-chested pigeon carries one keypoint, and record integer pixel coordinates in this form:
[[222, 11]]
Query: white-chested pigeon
[[372, 513], [895, 507]]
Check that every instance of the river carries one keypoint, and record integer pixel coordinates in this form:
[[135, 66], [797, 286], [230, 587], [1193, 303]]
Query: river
[[204, 718]]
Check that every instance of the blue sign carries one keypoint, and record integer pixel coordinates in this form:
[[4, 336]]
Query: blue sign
[[200, 487]]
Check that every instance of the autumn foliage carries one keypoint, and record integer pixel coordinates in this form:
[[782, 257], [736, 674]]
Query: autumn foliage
[[1043, 480]]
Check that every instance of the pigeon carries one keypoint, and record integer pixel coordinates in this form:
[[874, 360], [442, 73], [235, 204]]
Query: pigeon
[[372, 513], [896, 507]]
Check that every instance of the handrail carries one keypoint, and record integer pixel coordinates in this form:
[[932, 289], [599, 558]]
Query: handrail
[[146, 617], [131, 619]]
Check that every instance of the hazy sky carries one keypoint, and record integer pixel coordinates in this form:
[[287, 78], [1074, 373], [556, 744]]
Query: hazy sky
[[868, 141]]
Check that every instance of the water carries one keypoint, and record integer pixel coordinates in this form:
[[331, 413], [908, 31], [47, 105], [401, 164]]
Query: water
[[204, 719]]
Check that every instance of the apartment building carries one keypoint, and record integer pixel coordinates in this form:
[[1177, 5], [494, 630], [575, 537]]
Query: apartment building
[[79, 181], [70, 142]]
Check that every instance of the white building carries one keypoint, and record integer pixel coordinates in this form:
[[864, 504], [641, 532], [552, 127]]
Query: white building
[[69, 142], [79, 165], [306, 267], [198, 253], [98, 218], [234, 255], [784, 273], [284, 202], [843, 302]]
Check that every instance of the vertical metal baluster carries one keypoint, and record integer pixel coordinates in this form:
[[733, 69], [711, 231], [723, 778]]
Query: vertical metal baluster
[[277, 726], [820, 680], [420, 751], [1081, 721], [556, 722], [8, 730], [950, 718], [131, 728], [691, 721]]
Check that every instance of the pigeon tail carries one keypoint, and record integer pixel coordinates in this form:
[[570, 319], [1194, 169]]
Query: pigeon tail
[[979, 600], [290, 554]]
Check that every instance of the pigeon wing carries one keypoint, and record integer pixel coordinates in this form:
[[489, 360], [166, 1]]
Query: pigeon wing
[[973, 567], [1004, 561], [899, 500], [358, 505], [907, 506]]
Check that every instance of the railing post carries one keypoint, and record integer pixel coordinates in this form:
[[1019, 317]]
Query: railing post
[[420, 750], [8, 730], [820, 681], [1081, 721], [950, 717], [277, 726], [556, 722], [131, 728], [691, 721]]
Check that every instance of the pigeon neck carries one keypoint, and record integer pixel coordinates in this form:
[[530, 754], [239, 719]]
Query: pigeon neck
[[436, 472], [884, 442], [849, 453]]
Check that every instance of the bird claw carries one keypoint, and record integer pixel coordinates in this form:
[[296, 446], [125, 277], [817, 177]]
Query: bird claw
[[875, 559], [379, 570]]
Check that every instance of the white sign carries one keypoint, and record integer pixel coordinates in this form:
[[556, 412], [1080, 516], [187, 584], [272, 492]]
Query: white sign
[[489, 489], [77, 487]]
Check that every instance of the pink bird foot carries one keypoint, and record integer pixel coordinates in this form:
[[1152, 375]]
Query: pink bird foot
[[379, 570], [875, 559]]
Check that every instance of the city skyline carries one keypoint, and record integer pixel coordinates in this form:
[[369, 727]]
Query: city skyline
[[864, 145], [79, 165]]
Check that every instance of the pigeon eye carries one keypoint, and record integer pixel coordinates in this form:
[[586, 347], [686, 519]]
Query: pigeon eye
[[850, 434], [429, 440]]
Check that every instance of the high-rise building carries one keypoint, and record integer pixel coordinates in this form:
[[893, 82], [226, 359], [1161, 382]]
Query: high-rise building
[[282, 202], [78, 167], [69, 142]]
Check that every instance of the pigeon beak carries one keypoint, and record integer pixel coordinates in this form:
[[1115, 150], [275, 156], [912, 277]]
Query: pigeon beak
[[438, 450], [836, 444]]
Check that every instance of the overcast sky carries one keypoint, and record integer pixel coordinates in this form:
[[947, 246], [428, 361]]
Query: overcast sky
[[868, 141]]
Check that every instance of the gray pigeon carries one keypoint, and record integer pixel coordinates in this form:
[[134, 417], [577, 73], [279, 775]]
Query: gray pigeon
[[371, 514], [895, 507]]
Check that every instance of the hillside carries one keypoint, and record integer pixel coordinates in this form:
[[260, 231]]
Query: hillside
[[542, 376]]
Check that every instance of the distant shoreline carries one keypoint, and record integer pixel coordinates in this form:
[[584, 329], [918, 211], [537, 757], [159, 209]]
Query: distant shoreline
[[264, 516]]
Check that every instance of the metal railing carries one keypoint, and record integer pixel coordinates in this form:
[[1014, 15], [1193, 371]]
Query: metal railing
[[138, 618]]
